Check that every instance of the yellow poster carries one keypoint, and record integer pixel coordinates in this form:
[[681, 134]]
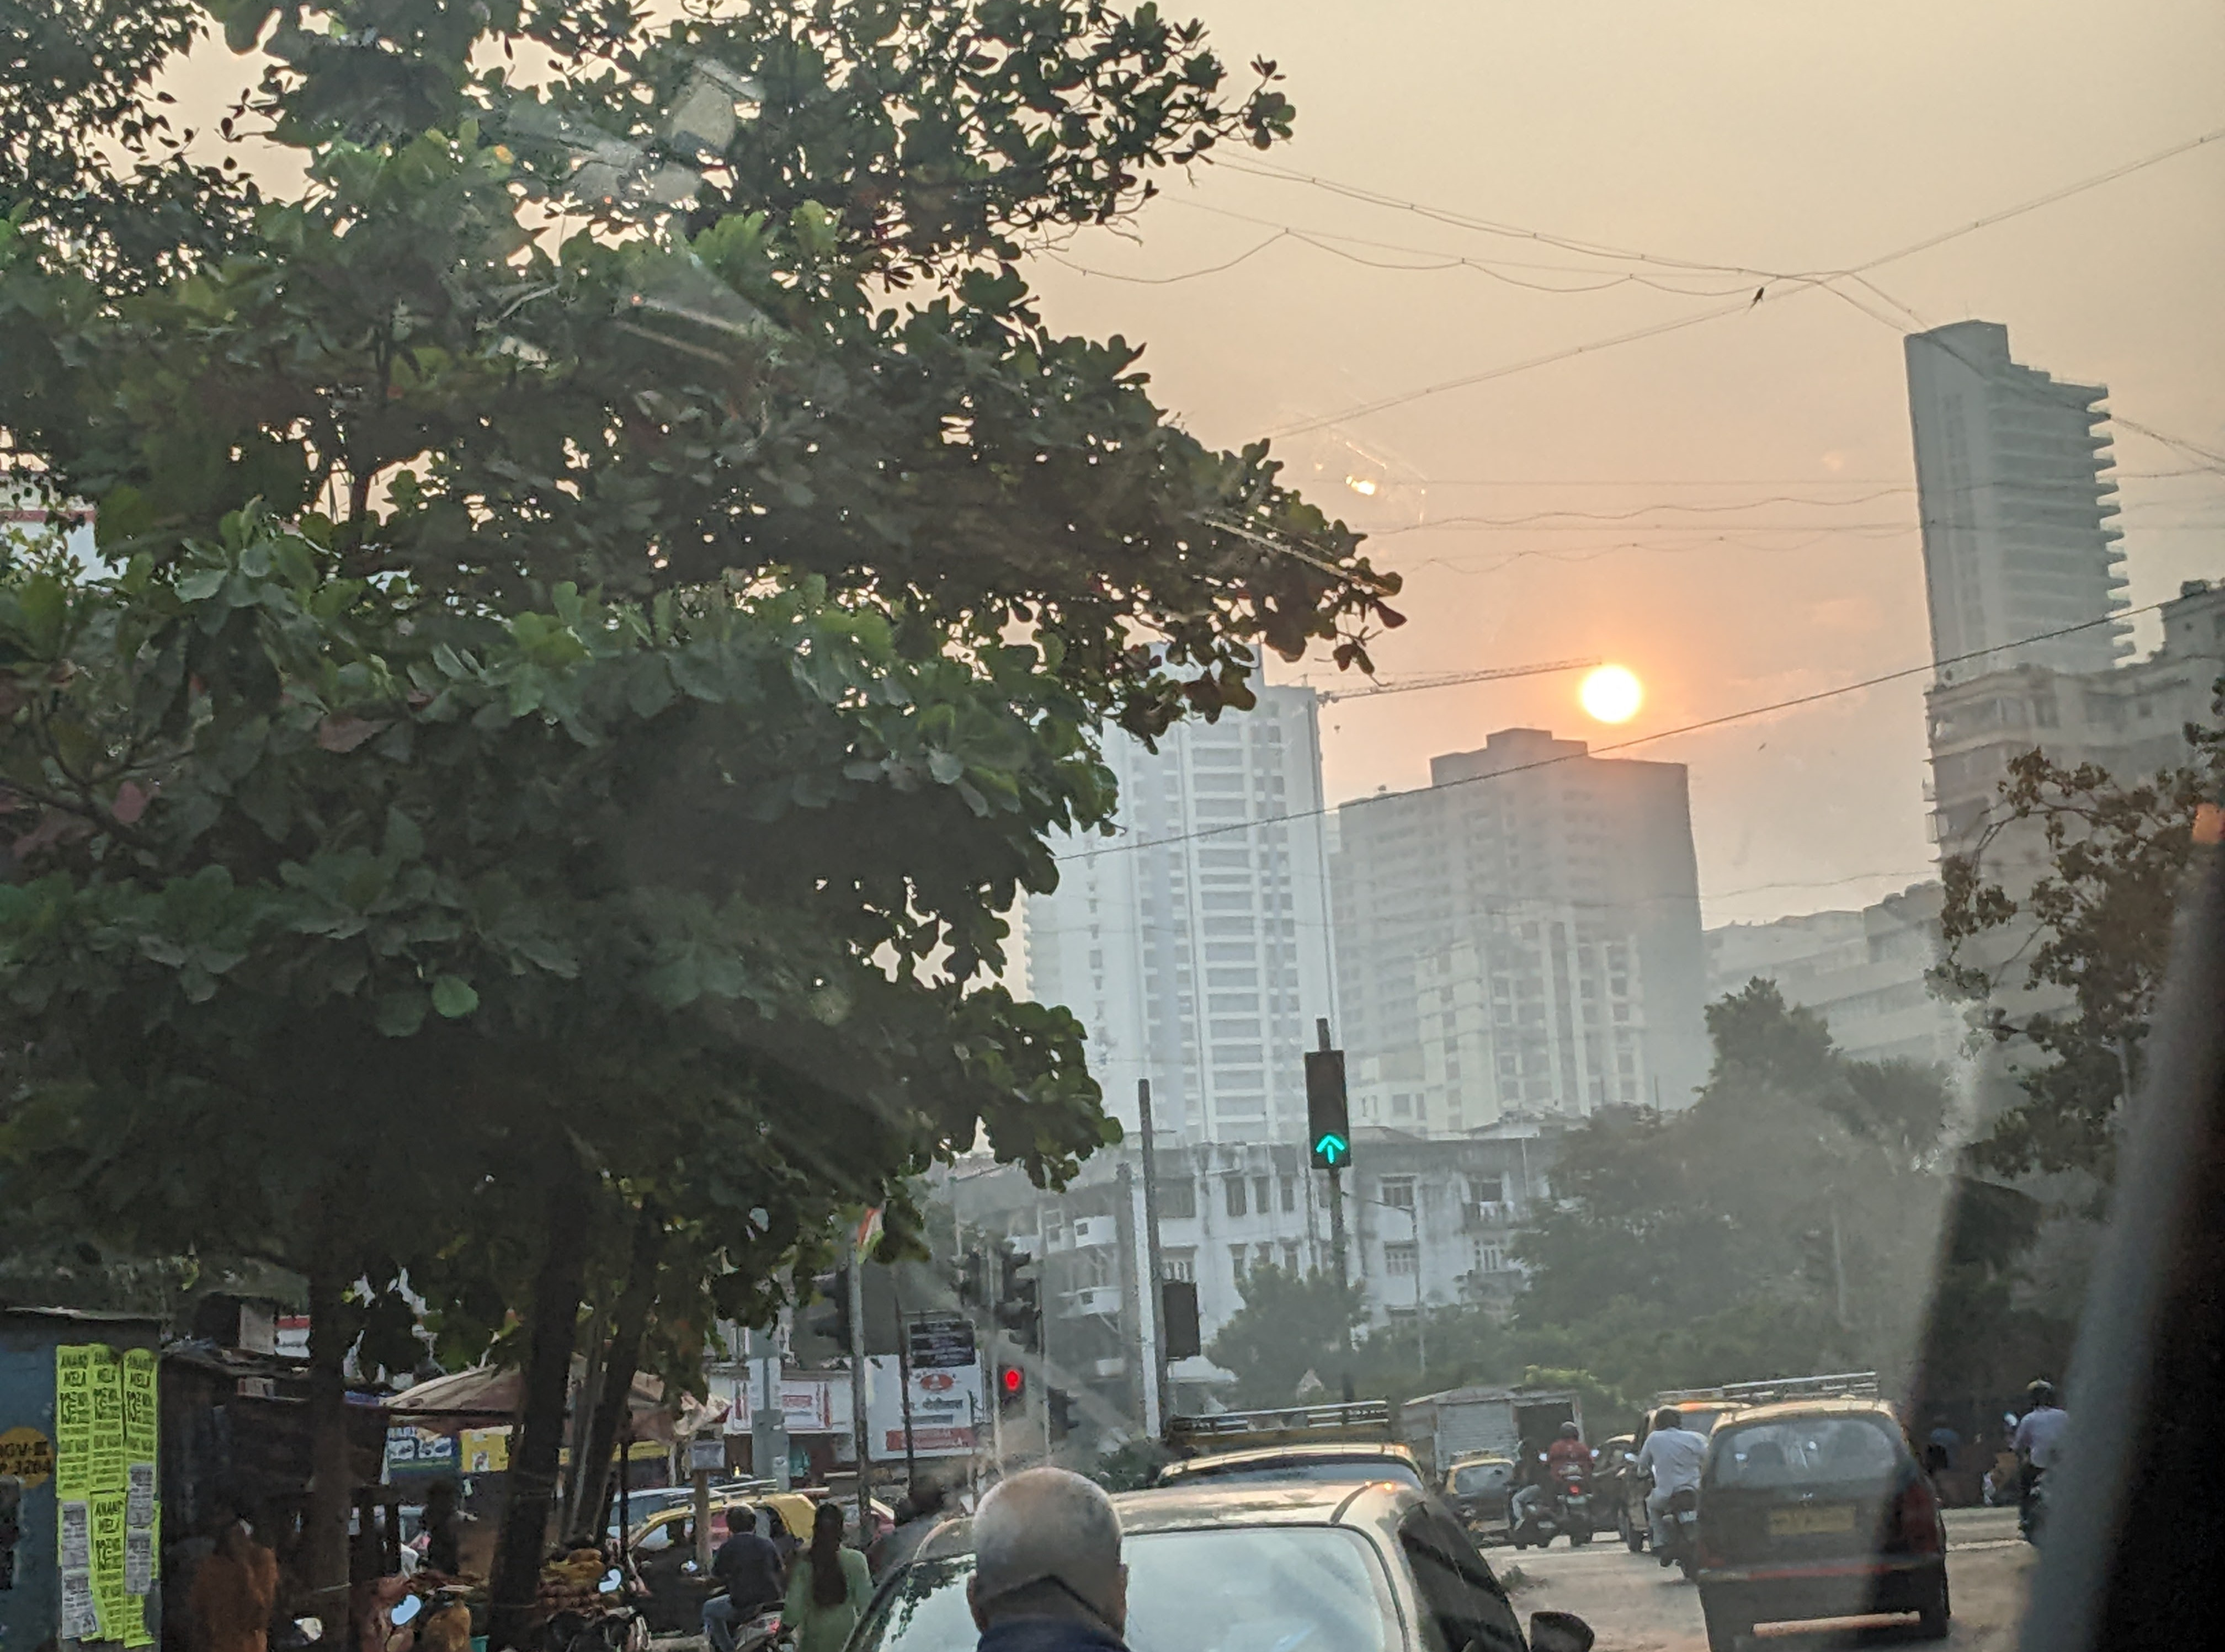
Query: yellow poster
[[140, 1415], [115, 1607], [485, 1451], [73, 1420], [109, 1471]]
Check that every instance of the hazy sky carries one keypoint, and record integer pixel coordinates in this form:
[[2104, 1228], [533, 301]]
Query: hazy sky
[[1773, 135]]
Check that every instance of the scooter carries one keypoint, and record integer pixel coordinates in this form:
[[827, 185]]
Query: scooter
[[1680, 1533], [2031, 1508]]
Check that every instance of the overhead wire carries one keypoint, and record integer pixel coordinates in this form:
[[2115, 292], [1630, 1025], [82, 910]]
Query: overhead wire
[[2115, 617]]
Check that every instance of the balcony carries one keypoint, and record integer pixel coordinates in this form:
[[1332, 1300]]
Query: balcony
[[1099, 1301]]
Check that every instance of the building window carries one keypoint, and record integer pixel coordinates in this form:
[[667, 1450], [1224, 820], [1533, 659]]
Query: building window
[[1236, 1253], [1231, 1190], [1289, 1192], [1400, 1260], [1291, 1255], [1398, 1192], [1490, 1259], [1262, 1194], [1488, 1190], [1178, 1199], [1178, 1264], [1262, 1256]]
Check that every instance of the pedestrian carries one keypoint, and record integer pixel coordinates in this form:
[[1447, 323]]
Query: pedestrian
[[1047, 1570], [748, 1571], [443, 1552], [830, 1587], [920, 1513], [234, 1590]]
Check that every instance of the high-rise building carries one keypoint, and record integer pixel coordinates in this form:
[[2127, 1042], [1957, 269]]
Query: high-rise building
[[2012, 473], [1520, 938], [1194, 944], [2130, 721], [1863, 971]]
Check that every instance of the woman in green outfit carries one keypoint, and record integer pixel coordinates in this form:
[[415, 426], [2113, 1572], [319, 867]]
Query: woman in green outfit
[[830, 1587]]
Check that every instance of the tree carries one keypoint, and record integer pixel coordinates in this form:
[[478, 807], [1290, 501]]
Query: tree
[[619, 587], [1783, 1219], [1291, 1324], [2086, 938]]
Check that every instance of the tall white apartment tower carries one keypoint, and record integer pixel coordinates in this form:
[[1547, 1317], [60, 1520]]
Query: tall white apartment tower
[[2011, 474], [1195, 945]]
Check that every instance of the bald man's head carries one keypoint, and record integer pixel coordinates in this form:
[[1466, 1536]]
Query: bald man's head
[[1047, 1544]]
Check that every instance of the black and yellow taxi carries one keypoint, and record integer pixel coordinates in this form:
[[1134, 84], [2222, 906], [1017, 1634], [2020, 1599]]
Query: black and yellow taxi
[[1817, 1509]]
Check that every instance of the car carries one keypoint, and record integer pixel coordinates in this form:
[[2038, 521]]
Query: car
[[1479, 1486], [1610, 1474], [1214, 1565], [1817, 1509], [1345, 1460]]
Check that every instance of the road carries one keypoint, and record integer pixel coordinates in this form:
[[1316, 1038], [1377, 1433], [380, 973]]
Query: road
[[1636, 1607]]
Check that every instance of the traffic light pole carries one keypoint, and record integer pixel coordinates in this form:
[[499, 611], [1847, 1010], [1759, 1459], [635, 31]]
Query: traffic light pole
[[1153, 1300], [860, 1432]]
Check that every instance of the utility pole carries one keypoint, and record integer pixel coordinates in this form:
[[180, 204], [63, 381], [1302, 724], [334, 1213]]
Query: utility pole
[[1152, 1249], [904, 1378], [1421, 1302], [860, 1432], [1131, 1299]]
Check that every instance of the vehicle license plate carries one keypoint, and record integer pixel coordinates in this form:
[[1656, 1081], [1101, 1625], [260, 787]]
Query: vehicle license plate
[[1805, 1523]]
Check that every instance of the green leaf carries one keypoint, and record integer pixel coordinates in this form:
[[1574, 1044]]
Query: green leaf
[[401, 1014], [454, 997], [200, 586]]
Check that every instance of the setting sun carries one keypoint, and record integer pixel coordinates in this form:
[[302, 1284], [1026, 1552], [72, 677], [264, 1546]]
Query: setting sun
[[1612, 694]]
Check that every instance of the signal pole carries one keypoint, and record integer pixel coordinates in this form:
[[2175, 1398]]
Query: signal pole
[[860, 1429], [1152, 1298]]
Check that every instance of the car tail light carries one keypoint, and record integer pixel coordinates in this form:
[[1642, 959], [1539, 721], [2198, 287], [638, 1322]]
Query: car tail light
[[1916, 1516]]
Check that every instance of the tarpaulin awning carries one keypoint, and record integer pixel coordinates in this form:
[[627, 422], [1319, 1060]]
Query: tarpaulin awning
[[489, 1397]]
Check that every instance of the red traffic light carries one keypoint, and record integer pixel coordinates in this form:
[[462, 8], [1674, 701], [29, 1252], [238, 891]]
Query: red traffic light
[[1012, 1379]]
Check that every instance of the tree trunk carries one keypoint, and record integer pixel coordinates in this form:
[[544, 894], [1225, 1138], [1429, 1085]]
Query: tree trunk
[[557, 1289], [629, 1325], [332, 1482]]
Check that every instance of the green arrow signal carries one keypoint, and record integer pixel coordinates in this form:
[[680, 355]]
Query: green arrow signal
[[1331, 1145]]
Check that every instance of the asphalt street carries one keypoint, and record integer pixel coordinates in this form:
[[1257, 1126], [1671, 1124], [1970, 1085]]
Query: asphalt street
[[1635, 1607]]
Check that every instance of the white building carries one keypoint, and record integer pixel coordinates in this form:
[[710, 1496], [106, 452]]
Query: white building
[[2011, 475], [1195, 945], [1863, 971], [1520, 938]]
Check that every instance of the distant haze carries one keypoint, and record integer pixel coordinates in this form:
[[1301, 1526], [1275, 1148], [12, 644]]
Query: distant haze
[[1782, 135]]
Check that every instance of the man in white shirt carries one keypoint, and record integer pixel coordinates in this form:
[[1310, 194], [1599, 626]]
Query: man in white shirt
[[1673, 1455], [2038, 1443]]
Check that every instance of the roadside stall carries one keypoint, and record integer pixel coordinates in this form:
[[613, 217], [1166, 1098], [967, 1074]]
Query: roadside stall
[[80, 1500]]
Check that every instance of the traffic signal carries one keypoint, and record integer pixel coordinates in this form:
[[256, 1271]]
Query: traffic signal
[[1019, 1302], [1178, 1318], [830, 1316], [1328, 1120], [1062, 1413], [1011, 1389], [974, 1279]]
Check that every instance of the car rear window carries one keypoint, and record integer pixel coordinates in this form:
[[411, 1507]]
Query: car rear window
[[1481, 1477], [1330, 1469], [1802, 1451], [1231, 1589]]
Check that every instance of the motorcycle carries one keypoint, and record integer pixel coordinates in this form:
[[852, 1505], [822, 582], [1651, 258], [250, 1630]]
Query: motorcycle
[[1567, 1511], [1680, 1533], [2031, 1507]]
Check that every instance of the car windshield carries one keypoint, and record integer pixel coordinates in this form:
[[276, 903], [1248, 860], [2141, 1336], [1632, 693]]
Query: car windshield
[[1804, 1452], [1330, 1469], [1480, 1477], [1229, 1589]]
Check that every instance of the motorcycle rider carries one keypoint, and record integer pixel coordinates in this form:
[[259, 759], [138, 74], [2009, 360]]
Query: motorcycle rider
[[1673, 1455], [1568, 1453], [2038, 1443]]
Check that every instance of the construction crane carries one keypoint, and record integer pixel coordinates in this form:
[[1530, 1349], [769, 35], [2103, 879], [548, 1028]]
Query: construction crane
[[1452, 679]]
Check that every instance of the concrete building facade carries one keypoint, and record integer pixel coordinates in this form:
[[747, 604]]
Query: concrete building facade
[[1521, 937], [2011, 472], [1194, 946], [1863, 971]]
